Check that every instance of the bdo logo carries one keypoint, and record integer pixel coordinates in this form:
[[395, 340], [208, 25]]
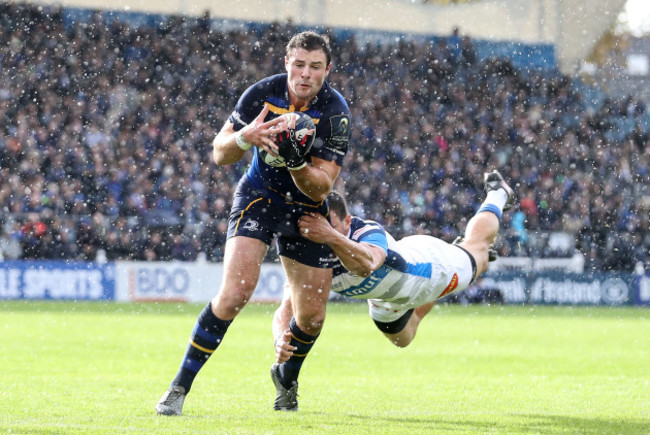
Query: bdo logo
[[162, 281]]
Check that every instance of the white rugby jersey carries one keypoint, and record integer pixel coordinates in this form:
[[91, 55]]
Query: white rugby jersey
[[418, 269]]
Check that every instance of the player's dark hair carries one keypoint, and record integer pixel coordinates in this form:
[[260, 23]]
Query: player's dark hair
[[311, 41], [337, 204]]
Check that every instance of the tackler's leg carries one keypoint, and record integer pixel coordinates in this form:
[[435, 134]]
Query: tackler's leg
[[483, 227]]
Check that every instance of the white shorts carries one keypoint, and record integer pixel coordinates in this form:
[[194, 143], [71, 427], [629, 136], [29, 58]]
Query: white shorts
[[451, 270]]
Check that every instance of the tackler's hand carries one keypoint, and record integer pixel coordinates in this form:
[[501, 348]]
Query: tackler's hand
[[315, 227], [283, 350]]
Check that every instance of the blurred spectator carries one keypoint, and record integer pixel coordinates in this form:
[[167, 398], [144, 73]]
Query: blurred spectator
[[593, 262], [158, 247], [183, 248], [213, 239], [33, 237], [106, 127]]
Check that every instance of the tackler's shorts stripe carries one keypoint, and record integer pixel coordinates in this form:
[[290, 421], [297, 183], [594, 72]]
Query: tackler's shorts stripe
[[255, 215]]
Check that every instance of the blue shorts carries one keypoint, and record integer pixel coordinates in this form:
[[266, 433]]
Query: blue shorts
[[254, 214]]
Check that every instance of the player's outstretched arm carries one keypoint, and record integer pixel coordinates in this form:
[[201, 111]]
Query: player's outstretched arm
[[229, 145], [359, 258]]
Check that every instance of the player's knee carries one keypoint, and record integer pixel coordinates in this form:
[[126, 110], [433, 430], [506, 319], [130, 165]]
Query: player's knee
[[316, 322], [400, 340], [233, 299], [311, 323], [479, 251], [482, 261], [309, 315]]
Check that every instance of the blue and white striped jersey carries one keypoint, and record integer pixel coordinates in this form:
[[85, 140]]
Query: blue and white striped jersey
[[417, 270]]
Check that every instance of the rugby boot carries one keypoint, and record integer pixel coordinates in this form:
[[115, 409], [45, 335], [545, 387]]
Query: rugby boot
[[286, 399], [171, 403], [494, 181]]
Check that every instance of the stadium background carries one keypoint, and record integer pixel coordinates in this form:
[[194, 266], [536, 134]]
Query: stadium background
[[108, 118]]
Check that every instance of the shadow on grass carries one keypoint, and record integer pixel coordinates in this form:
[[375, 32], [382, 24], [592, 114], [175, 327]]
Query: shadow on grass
[[526, 423], [103, 306], [110, 306]]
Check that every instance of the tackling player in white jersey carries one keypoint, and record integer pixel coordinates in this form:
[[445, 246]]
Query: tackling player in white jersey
[[400, 279]]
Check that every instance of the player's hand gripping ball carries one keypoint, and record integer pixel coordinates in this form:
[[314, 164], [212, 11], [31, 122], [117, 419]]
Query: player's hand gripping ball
[[294, 143]]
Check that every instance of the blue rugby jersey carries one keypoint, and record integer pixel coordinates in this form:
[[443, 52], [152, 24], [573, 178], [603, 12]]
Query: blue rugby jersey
[[330, 113]]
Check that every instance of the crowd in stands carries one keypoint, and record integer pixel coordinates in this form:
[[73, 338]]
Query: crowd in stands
[[106, 131]]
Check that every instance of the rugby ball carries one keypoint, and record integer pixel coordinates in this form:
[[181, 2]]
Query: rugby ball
[[305, 128]]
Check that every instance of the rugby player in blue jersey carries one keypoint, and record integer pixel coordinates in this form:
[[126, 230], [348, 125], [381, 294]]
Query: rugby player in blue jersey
[[267, 204], [400, 279]]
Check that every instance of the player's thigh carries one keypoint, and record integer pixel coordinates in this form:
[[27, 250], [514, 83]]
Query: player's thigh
[[243, 257], [310, 289], [478, 250], [241, 270]]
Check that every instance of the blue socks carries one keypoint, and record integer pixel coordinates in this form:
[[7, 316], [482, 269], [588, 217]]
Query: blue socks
[[206, 336], [303, 342], [494, 202], [208, 333]]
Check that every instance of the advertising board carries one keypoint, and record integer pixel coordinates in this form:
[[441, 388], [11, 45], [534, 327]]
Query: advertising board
[[56, 280]]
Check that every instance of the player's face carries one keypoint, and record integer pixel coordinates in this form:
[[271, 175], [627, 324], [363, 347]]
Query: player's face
[[307, 72], [340, 225]]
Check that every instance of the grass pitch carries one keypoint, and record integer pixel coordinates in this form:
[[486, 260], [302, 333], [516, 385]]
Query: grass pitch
[[101, 367]]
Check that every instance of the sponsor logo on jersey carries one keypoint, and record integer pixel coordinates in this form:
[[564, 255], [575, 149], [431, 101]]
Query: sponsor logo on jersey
[[340, 125], [451, 287], [366, 287], [368, 284], [340, 129]]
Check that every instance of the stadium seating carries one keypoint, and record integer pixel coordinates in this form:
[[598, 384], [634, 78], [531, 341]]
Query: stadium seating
[[108, 119]]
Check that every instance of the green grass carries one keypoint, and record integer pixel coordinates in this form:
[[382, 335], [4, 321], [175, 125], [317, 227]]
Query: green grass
[[100, 368]]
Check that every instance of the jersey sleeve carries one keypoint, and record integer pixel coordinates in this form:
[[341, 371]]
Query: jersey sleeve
[[333, 132], [370, 232], [249, 105]]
